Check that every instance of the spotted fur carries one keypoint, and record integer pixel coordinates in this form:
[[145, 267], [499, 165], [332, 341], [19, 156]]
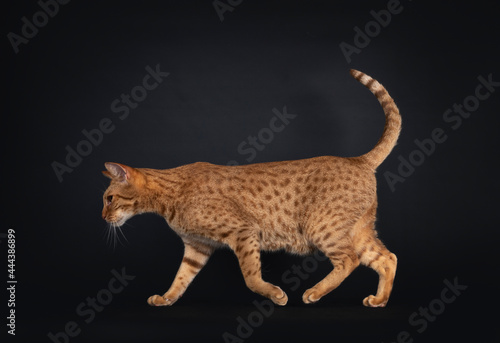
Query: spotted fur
[[324, 203]]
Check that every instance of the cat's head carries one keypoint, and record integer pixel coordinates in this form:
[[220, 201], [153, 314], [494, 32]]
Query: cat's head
[[122, 199]]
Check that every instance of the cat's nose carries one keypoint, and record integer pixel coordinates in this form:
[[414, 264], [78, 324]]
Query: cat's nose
[[104, 214]]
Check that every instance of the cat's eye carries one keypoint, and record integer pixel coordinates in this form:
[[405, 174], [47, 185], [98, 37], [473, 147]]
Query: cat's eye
[[109, 198]]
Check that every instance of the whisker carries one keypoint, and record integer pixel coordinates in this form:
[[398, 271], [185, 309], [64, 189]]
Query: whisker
[[120, 230], [115, 237], [105, 234], [110, 235]]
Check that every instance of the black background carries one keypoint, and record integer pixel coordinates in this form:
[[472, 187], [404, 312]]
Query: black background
[[225, 79]]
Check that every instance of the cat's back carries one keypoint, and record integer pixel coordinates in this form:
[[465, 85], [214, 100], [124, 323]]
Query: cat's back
[[329, 175]]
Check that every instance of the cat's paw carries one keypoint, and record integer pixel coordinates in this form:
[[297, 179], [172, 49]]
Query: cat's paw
[[280, 298], [158, 300], [372, 301], [311, 296]]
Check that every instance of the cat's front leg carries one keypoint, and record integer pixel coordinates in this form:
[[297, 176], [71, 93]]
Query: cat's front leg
[[195, 257], [247, 249]]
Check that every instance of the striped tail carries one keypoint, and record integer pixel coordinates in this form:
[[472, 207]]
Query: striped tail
[[392, 120]]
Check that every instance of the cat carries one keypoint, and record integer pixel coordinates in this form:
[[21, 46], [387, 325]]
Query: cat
[[324, 203]]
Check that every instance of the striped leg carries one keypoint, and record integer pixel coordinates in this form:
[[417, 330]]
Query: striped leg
[[247, 249], [341, 253], [195, 257], [374, 254]]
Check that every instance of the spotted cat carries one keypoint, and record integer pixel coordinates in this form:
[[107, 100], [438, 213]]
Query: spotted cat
[[323, 203]]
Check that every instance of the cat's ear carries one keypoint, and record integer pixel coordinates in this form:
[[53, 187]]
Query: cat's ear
[[117, 171], [107, 174]]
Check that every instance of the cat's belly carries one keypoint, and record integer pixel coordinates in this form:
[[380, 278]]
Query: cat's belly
[[292, 242]]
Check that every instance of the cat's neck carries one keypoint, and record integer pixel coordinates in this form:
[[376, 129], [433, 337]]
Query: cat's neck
[[161, 190]]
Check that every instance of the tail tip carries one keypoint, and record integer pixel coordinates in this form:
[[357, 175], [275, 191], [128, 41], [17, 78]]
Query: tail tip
[[355, 73]]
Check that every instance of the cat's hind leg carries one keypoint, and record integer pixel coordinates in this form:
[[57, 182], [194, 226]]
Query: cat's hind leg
[[196, 256], [374, 254], [333, 241], [247, 249]]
